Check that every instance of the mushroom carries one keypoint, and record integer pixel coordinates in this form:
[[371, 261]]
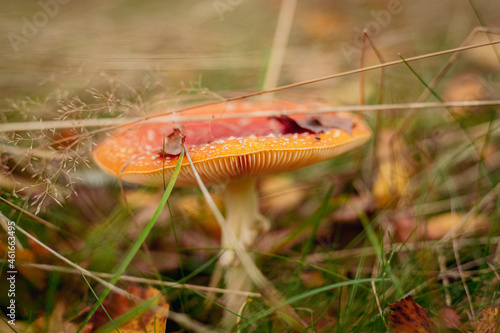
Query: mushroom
[[232, 151]]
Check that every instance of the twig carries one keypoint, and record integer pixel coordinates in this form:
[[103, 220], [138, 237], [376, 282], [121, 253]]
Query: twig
[[72, 264], [142, 280], [168, 117], [381, 313], [446, 281], [30, 215]]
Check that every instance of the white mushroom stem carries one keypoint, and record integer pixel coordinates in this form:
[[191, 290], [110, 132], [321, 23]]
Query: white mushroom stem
[[246, 222], [242, 216]]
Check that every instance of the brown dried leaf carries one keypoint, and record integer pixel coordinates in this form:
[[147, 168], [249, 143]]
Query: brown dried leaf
[[290, 126], [489, 321], [173, 143], [149, 321], [451, 318], [65, 138], [408, 316], [314, 125]]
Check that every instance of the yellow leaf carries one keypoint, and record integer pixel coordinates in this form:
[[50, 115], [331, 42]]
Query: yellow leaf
[[390, 184], [440, 225], [393, 175], [149, 322]]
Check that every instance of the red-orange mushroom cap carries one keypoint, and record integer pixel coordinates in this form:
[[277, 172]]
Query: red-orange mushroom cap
[[230, 148]]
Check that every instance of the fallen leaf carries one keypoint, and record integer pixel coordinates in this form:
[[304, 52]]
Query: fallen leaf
[[65, 138], [393, 177], [408, 316], [440, 225], [489, 321], [451, 318], [465, 87], [173, 143], [314, 125], [148, 321], [391, 183], [290, 126]]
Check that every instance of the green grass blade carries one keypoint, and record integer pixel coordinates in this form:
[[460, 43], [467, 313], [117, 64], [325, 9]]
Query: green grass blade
[[310, 293], [8, 325], [315, 220], [102, 306], [136, 246]]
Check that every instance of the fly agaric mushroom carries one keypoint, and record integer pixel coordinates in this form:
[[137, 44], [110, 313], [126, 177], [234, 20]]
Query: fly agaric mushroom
[[231, 151]]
